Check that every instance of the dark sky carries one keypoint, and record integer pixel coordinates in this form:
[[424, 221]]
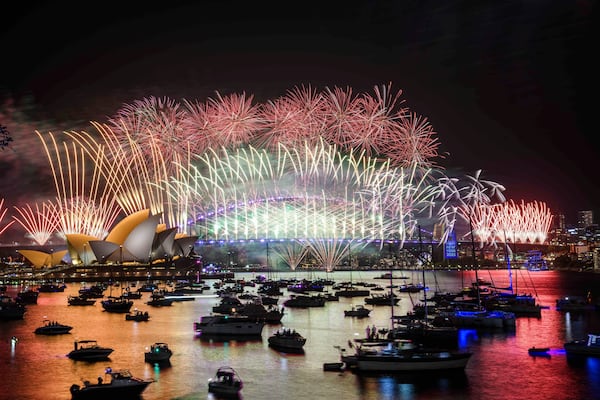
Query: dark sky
[[510, 86]]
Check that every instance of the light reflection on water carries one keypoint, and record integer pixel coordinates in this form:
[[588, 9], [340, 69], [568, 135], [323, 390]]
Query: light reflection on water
[[500, 368]]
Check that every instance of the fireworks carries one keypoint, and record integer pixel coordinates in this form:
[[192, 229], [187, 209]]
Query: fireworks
[[373, 124], [80, 206], [324, 171], [3, 211], [510, 222], [40, 224]]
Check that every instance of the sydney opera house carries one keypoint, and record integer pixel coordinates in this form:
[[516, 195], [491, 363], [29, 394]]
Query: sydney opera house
[[138, 238]]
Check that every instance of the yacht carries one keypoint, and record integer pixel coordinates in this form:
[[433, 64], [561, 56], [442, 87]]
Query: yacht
[[89, 350], [584, 347], [52, 328], [228, 325], [122, 385], [405, 356], [287, 340]]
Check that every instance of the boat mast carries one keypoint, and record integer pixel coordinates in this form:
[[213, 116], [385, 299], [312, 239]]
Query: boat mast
[[475, 262], [507, 255], [423, 271], [392, 293]]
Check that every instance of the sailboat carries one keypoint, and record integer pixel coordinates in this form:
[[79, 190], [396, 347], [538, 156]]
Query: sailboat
[[420, 328], [508, 300], [398, 355], [476, 315], [349, 290]]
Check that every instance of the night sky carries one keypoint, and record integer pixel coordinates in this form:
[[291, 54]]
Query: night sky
[[510, 86]]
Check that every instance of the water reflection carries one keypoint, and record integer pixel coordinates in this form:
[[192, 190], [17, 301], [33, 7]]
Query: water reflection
[[500, 368], [411, 386]]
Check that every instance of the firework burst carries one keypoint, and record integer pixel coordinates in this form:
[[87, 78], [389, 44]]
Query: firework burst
[[40, 223], [3, 211], [227, 121], [81, 205], [149, 123]]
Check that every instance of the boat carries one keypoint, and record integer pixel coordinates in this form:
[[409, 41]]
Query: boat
[[411, 288], [129, 295], [27, 296], [475, 315], [138, 316], [52, 328], [229, 305], [226, 383], [351, 291], [117, 304], [257, 311], [92, 292], [51, 288], [229, 325], [333, 366], [385, 299], [575, 303], [122, 385], [158, 299], [287, 340], [305, 301], [388, 276], [520, 305], [158, 353], [538, 351], [80, 301], [438, 332], [89, 350], [584, 347], [400, 355], [148, 287], [358, 311], [11, 309], [481, 318]]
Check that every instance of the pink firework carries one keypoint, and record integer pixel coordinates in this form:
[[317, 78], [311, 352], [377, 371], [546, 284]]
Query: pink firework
[[343, 115], [3, 211], [294, 119], [411, 140], [152, 122], [376, 121], [227, 121]]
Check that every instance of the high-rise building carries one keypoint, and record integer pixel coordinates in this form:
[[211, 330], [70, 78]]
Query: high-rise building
[[559, 221], [585, 218]]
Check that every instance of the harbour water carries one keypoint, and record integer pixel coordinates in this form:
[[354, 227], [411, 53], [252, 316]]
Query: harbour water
[[37, 368]]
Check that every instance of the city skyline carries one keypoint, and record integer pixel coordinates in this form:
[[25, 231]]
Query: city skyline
[[503, 88]]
